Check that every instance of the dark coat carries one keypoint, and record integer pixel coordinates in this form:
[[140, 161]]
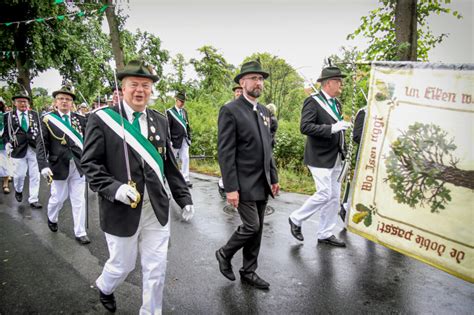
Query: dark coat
[[14, 132], [53, 154], [321, 147], [359, 125], [245, 150], [103, 162], [178, 134], [273, 128]]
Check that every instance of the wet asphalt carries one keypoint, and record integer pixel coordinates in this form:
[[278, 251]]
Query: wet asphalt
[[50, 273]]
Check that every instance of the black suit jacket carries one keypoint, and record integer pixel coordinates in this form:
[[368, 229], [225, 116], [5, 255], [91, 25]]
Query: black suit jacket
[[321, 147], [178, 134], [359, 125], [53, 154], [245, 150], [103, 162], [14, 132]]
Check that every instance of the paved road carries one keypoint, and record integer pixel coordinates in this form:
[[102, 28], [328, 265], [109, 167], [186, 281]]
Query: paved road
[[50, 273]]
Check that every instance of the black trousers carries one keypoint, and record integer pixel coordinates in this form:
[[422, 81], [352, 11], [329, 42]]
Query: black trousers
[[248, 235]]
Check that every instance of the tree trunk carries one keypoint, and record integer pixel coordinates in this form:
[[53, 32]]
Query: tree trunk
[[406, 34], [114, 35], [457, 177], [23, 78]]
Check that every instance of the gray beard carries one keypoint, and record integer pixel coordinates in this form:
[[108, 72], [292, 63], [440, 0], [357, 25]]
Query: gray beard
[[254, 93]]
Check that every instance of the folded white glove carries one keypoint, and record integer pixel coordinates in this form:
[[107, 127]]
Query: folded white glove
[[188, 212], [46, 172], [339, 126], [8, 148], [126, 194]]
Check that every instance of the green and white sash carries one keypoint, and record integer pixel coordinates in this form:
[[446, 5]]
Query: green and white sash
[[178, 118], [327, 107], [66, 128], [134, 139]]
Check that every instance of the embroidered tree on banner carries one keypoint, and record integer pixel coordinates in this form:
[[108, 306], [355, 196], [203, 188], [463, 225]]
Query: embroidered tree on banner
[[420, 165]]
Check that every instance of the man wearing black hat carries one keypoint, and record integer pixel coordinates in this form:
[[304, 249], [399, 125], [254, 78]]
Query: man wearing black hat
[[248, 171], [323, 124], [127, 158], [59, 157], [22, 130], [180, 133]]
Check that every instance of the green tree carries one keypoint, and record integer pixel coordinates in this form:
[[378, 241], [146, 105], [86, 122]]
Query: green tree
[[392, 33], [214, 72], [41, 44], [420, 165]]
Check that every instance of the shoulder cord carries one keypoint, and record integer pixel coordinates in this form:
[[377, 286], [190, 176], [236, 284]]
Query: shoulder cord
[[61, 139]]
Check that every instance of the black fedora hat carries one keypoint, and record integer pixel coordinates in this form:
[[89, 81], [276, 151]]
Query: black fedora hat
[[330, 72], [250, 67], [236, 88], [138, 68], [180, 95], [65, 90], [21, 94]]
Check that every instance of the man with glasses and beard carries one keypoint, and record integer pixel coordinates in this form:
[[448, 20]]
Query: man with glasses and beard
[[248, 171]]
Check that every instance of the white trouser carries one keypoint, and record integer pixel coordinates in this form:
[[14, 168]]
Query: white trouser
[[183, 154], [73, 186], [151, 240], [325, 200], [6, 166], [27, 163]]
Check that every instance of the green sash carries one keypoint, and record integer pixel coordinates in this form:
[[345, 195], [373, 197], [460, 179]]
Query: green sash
[[174, 113], [134, 139], [72, 133], [333, 107]]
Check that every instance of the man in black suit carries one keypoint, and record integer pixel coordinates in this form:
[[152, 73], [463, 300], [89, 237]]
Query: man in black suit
[[130, 180], [21, 132], [248, 171], [322, 123], [59, 158], [180, 133]]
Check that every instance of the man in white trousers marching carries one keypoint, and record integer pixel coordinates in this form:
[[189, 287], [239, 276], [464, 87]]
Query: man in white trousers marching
[[59, 158], [323, 124], [21, 132], [180, 133], [129, 178]]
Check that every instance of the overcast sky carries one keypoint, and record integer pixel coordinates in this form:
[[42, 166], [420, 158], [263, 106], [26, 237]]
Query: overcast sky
[[303, 32]]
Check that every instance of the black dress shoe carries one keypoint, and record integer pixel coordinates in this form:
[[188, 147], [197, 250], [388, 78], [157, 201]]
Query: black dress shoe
[[36, 205], [332, 240], [18, 196], [83, 240], [188, 183], [225, 265], [254, 280], [296, 231], [221, 191], [53, 226], [108, 301]]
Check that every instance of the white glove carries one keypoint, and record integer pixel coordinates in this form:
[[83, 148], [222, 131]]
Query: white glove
[[46, 172], [188, 212], [8, 148], [339, 126], [126, 194]]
